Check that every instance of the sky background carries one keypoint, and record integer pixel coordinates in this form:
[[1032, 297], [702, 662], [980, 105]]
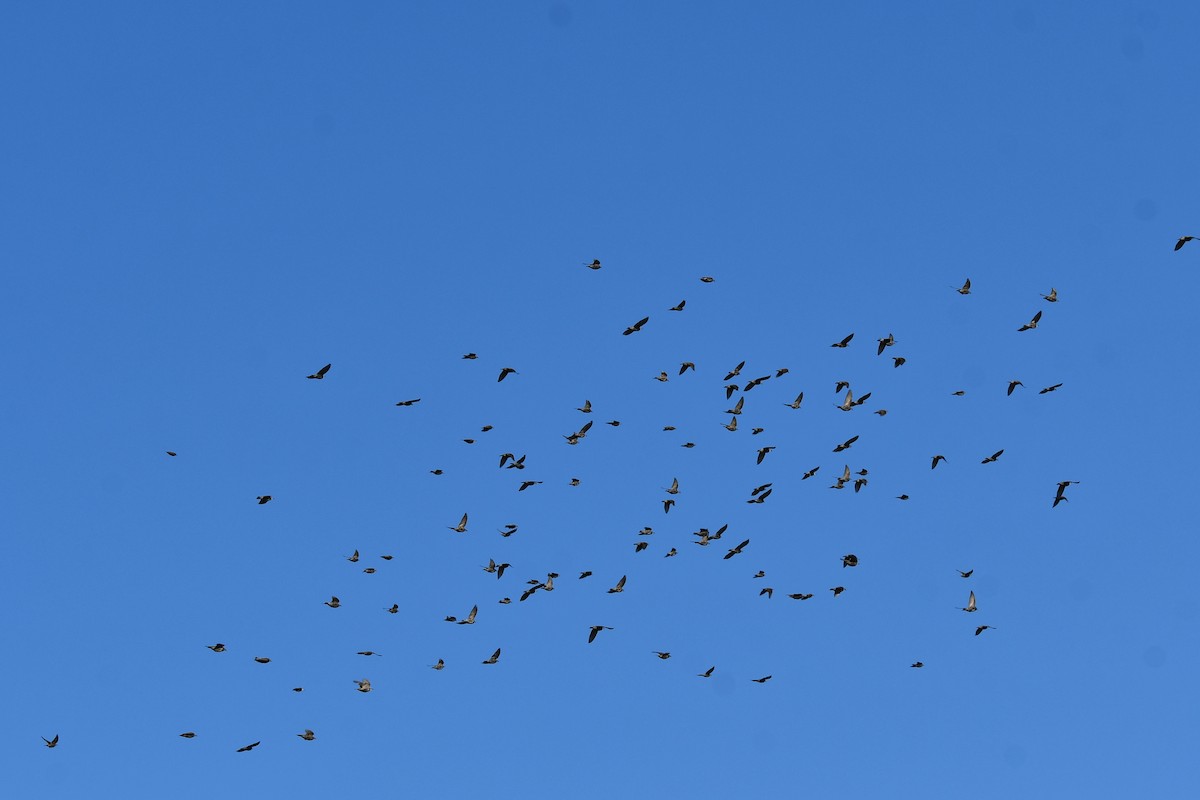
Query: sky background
[[203, 204]]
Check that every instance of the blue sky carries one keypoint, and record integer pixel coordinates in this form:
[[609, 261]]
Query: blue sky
[[203, 205]]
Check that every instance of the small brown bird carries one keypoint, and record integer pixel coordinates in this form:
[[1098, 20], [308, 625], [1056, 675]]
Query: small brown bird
[[320, 374], [733, 551], [263, 499], [412, 402], [574, 481], [707, 673], [1049, 389], [966, 574], [189, 735], [966, 287], [262, 659], [470, 620], [1033, 323], [248, 747], [353, 558], [461, 527], [763, 679], [54, 742], [439, 666], [795, 404], [494, 657], [307, 736], [620, 587], [662, 377], [596, 630], [616, 423], [646, 531], [846, 444], [663, 656], [364, 685], [333, 602], [737, 407], [843, 342], [637, 326], [594, 265], [760, 574], [992, 457], [387, 557], [505, 372], [983, 628], [1052, 297], [586, 408], [679, 307], [674, 487], [936, 459], [849, 560], [837, 590], [216, 648]]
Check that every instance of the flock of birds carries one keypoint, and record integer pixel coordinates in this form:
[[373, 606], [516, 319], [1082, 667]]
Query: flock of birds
[[857, 479]]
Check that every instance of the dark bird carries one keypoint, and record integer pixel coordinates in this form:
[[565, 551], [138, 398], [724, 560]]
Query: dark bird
[[333, 602], [504, 601], [1052, 297], [586, 408], [1060, 494], [733, 551], [760, 574], [585, 574], [757, 490], [737, 407], [461, 527], [307, 736], [1013, 385], [732, 425], [263, 499], [970, 604], [504, 373], [248, 747], [526, 484], [959, 393], [640, 546], [668, 427], [679, 307], [768, 591], [509, 530], [762, 453], [667, 505], [412, 402], [395, 609], [733, 373], [730, 389], [755, 382], [760, 499], [837, 590], [189, 735], [887, 341], [849, 560], [620, 587], [470, 356], [495, 657], [54, 742], [470, 620], [936, 459], [966, 287], [901, 497], [637, 326], [763, 679], [262, 659], [917, 664], [881, 412], [843, 342], [216, 648], [298, 689], [663, 656], [353, 558], [364, 685], [707, 673], [662, 377], [1183, 240], [841, 385], [594, 265], [846, 444], [779, 373], [707, 279], [685, 366], [983, 628], [439, 666], [369, 653], [671, 552], [966, 574], [616, 423], [1049, 389], [688, 445], [596, 630], [810, 473], [320, 374], [171, 453], [1033, 323], [795, 404], [800, 596], [899, 361], [992, 457], [436, 472]]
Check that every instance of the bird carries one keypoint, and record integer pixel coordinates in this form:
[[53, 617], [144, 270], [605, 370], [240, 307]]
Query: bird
[[395, 609], [885, 342], [54, 742], [733, 551], [1049, 389], [779, 373], [970, 607], [674, 488], [586, 408], [686, 365], [707, 673], [917, 664], [1052, 297], [1033, 323], [262, 659], [248, 747], [263, 499], [307, 736], [188, 735], [439, 666], [899, 361], [508, 530], [667, 505], [504, 601], [810, 473], [1059, 495], [671, 552], [768, 591], [461, 527], [369, 653], [763, 679], [849, 560], [983, 628], [364, 685], [333, 602], [760, 574], [594, 265], [707, 279], [1183, 240], [959, 393], [733, 373], [1013, 385], [737, 407], [616, 423], [574, 481], [837, 590], [505, 372], [901, 497], [320, 374], [762, 453], [679, 307], [881, 412], [847, 402], [688, 445], [216, 648], [596, 630], [992, 457], [760, 499], [800, 596], [662, 377], [732, 425], [966, 287], [353, 558], [966, 574], [412, 402], [646, 531], [172, 453], [494, 657], [298, 689], [470, 356], [637, 326], [936, 459], [620, 587], [526, 484], [846, 444], [585, 574], [640, 546], [661, 655], [843, 342], [795, 404], [755, 382]]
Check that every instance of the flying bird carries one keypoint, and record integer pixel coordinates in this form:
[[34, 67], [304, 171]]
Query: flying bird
[[637, 326], [216, 648], [248, 747], [494, 658], [470, 620], [810, 473], [262, 659], [885, 342], [1013, 385], [733, 551], [364, 685], [1052, 297], [707, 673], [992, 457], [307, 736], [800, 596], [966, 287], [966, 574], [320, 374], [768, 591], [407, 403], [504, 373], [843, 342], [686, 365], [679, 307], [663, 656], [1049, 389], [849, 560], [369, 653], [983, 628], [189, 735], [620, 587], [763, 679], [439, 666], [461, 527], [795, 404], [674, 488], [899, 361], [970, 604], [263, 499], [333, 602], [707, 279], [936, 459], [837, 590], [846, 444], [54, 742], [1059, 495], [585, 574], [172, 453], [917, 664], [526, 484], [470, 356], [762, 453], [594, 265], [595, 630], [1033, 323], [733, 373]]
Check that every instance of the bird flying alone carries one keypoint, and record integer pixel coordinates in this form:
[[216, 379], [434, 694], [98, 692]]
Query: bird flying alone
[[843, 342], [320, 374], [248, 747], [495, 657], [596, 630], [504, 373], [51, 743], [1182, 241], [637, 326], [966, 287], [992, 457], [461, 527], [1033, 323], [970, 604]]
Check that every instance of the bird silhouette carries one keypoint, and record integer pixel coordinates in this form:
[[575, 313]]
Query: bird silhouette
[[620, 587], [1013, 385], [966, 287], [52, 743], [843, 342], [992, 457], [1033, 323], [637, 326], [505, 372], [596, 630], [248, 747], [307, 736], [320, 374], [494, 657], [707, 673]]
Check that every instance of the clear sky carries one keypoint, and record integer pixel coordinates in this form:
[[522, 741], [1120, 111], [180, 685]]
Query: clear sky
[[204, 203]]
